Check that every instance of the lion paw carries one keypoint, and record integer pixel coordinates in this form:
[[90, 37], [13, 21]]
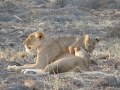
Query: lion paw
[[28, 71], [13, 68], [33, 71]]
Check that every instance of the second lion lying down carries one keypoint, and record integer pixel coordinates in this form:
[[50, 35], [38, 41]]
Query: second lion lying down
[[50, 57]]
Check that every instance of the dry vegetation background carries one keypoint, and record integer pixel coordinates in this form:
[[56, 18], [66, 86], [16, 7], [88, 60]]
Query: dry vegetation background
[[59, 18]]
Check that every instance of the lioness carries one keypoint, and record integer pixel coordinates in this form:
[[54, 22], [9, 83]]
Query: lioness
[[50, 57]]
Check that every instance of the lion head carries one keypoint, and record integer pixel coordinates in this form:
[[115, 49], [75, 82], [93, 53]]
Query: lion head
[[33, 41], [89, 43]]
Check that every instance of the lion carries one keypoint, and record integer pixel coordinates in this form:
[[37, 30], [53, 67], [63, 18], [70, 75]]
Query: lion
[[65, 42], [69, 43], [64, 64], [87, 43], [81, 52], [50, 57]]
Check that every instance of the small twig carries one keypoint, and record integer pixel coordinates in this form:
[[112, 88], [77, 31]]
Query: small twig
[[17, 17]]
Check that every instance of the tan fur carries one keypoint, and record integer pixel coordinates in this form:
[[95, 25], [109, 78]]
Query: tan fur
[[69, 43], [65, 42], [87, 42], [50, 57], [81, 52]]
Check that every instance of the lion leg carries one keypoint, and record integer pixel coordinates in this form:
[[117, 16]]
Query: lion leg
[[61, 65], [34, 72], [71, 50], [51, 68], [30, 66], [19, 68]]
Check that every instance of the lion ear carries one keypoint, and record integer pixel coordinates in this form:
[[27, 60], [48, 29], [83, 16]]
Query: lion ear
[[86, 38], [39, 35], [97, 39]]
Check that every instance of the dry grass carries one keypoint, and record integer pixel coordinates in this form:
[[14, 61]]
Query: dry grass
[[109, 48], [60, 17], [106, 81], [18, 55], [115, 48], [4, 53], [12, 54]]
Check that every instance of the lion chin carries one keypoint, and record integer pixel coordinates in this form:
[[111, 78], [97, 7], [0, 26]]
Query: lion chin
[[27, 50]]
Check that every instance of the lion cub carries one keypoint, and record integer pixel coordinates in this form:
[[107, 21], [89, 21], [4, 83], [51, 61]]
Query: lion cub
[[81, 52]]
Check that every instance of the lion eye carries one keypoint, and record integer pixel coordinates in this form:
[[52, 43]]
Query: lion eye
[[29, 47]]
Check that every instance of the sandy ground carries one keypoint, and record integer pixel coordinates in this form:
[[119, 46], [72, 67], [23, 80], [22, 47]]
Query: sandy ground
[[59, 18]]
